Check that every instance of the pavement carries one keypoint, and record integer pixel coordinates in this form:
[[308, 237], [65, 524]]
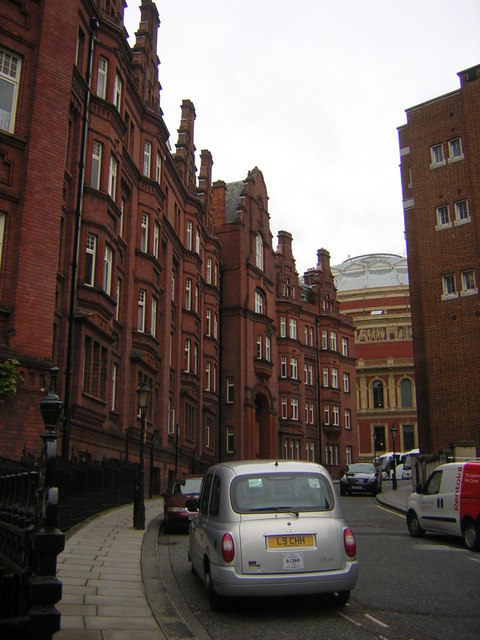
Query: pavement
[[118, 583], [395, 499]]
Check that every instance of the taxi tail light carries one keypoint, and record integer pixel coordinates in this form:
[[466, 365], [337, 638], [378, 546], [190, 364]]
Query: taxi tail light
[[228, 547], [349, 542]]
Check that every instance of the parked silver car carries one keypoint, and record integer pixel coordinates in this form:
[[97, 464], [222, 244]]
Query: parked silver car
[[271, 528]]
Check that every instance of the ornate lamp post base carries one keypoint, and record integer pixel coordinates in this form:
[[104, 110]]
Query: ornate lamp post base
[[138, 510], [143, 395]]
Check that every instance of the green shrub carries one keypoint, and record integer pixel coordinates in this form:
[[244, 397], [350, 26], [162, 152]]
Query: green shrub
[[9, 378]]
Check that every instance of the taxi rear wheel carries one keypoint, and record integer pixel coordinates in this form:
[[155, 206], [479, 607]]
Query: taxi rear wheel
[[192, 568], [217, 602]]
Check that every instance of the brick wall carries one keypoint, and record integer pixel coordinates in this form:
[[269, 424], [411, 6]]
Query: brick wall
[[446, 332]]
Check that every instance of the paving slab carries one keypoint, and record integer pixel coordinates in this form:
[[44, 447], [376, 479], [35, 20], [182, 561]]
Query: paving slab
[[103, 591]]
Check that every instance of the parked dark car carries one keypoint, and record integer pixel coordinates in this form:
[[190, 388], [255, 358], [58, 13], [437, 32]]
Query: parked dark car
[[181, 502], [361, 476]]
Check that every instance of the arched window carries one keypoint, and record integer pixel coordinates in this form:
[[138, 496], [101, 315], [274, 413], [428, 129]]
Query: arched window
[[406, 392], [260, 306], [377, 388], [259, 251]]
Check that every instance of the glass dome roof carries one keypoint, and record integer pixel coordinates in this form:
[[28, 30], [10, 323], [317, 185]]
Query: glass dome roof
[[371, 271]]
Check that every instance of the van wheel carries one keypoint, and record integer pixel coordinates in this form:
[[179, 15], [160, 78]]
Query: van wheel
[[414, 528], [471, 536]]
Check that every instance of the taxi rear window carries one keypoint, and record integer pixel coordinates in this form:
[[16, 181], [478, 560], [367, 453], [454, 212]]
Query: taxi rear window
[[281, 492]]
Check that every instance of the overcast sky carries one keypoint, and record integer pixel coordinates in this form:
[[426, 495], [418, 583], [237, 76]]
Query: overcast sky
[[312, 92]]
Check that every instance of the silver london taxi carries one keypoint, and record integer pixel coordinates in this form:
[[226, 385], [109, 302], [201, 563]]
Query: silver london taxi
[[271, 528]]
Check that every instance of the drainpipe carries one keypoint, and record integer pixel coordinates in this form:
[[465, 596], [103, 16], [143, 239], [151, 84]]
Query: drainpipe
[[94, 25], [221, 431], [319, 409]]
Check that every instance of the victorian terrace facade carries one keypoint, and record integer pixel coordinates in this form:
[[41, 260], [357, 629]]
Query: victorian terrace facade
[[107, 240], [287, 353], [120, 266]]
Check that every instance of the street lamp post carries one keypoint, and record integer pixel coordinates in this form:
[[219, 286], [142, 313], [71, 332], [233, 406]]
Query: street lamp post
[[143, 396], [152, 465], [127, 438], [176, 450], [393, 431]]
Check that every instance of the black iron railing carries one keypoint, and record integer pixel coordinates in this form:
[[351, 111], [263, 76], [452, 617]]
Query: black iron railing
[[30, 541]]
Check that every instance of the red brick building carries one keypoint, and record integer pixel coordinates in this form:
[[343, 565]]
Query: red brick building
[[120, 265], [440, 171], [274, 329], [373, 291], [334, 365]]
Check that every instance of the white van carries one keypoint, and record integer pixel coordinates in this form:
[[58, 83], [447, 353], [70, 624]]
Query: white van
[[385, 464], [409, 459], [448, 502]]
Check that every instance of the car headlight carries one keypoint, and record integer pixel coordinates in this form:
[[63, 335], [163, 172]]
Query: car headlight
[[176, 509]]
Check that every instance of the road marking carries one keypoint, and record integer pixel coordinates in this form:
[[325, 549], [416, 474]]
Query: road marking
[[382, 624], [437, 547], [394, 513], [355, 622]]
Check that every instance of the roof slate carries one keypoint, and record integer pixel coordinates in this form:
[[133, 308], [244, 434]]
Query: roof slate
[[232, 200]]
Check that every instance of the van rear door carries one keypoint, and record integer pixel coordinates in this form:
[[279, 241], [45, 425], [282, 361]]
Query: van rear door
[[470, 491]]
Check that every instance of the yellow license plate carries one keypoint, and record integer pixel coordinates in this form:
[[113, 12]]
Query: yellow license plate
[[290, 541]]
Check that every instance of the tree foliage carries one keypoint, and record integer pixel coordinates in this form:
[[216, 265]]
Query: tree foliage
[[9, 378]]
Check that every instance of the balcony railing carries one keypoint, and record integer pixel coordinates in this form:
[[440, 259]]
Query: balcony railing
[[383, 362], [331, 427]]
